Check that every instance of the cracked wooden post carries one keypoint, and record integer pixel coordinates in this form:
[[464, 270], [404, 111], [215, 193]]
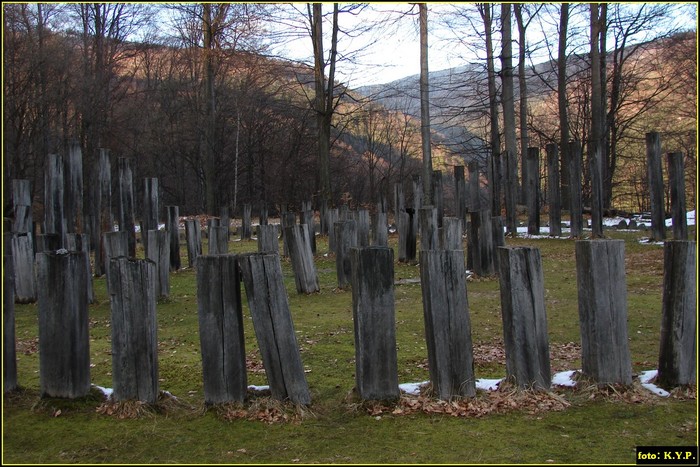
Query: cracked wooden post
[[676, 183], [524, 317], [268, 239], [602, 308], [575, 195], [151, 208], [126, 204], [116, 244], [132, 286], [23, 260], [553, 190], [305, 276], [460, 202], [221, 329], [678, 317], [380, 232], [218, 238], [428, 225], [531, 187], [655, 178], [362, 222], [306, 217], [103, 220], [81, 242], [158, 251], [172, 226], [376, 368], [272, 321], [9, 346], [447, 323], [345, 239], [451, 234], [64, 336], [193, 237], [246, 222]]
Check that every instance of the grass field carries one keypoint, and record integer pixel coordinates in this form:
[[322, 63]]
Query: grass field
[[580, 425]]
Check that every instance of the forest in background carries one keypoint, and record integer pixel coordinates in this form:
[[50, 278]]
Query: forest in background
[[208, 110]]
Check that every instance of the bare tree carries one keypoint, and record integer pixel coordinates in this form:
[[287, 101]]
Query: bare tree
[[425, 106], [509, 126]]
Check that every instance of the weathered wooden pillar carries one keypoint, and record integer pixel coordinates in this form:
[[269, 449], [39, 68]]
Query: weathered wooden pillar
[[345, 239], [246, 222], [272, 321], [323, 217], [532, 190], [54, 216], [428, 222], [511, 192], [407, 236], [9, 347], [158, 251], [553, 190], [64, 337], [602, 307], [473, 195], [524, 317], [417, 186], [460, 195], [81, 242], [103, 218], [268, 241], [655, 178], [288, 219], [173, 228], [481, 243], [678, 319], [22, 206], [676, 183], [305, 276], [126, 203], [263, 215], [132, 285], [362, 221], [116, 244], [193, 237], [218, 239], [596, 173], [380, 233], [221, 329], [73, 201], [498, 231], [575, 193], [447, 322], [151, 208], [25, 282], [332, 216], [376, 367], [495, 191], [399, 201], [438, 196], [451, 234], [48, 242], [225, 221], [306, 217]]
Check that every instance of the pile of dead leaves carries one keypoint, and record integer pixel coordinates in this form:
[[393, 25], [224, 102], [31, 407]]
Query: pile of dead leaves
[[505, 399], [132, 409], [263, 409]]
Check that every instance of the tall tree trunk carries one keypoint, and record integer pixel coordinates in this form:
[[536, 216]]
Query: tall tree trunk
[[522, 83], [562, 102], [210, 112], [509, 125], [485, 9], [425, 106]]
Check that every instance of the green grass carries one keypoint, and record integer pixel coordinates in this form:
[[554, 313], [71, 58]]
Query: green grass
[[337, 428]]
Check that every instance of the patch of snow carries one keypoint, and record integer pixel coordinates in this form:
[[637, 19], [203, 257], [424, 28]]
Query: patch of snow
[[106, 391], [646, 376], [488, 384], [564, 378], [412, 388], [252, 387]]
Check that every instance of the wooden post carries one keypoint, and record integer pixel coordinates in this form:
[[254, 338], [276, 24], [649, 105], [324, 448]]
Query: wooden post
[[511, 192], [25, 283], [417, 202], [399, 201], [263, 215], [302, 258], [524, 317], [532, 190], [362, 221], [380, 231], [676, 183], [332, 217], [246, 222], [602, 307], [225, 221], [323, 217], [438, 197], [158, 251], [553, 190], [221, 329], [268, 241], [22, 205], [54, 216], [81, 242], [407, 236], [678, 318], [345, 239], [218, 239], [655, 179], [48, 242], [428, 221], [495, 175], [151, 208], [376, 367], [447, 322], [306, 217], [596, 174], [116, 244], [473, 195], [73, 201], [173, 228], [272, 321], [132, 285], [104, 221], [288, 219], [126, 204], [460, 195], [64, 337], [451, 234], [193, 236], [481, 241], [575, 195], [9, 348]]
